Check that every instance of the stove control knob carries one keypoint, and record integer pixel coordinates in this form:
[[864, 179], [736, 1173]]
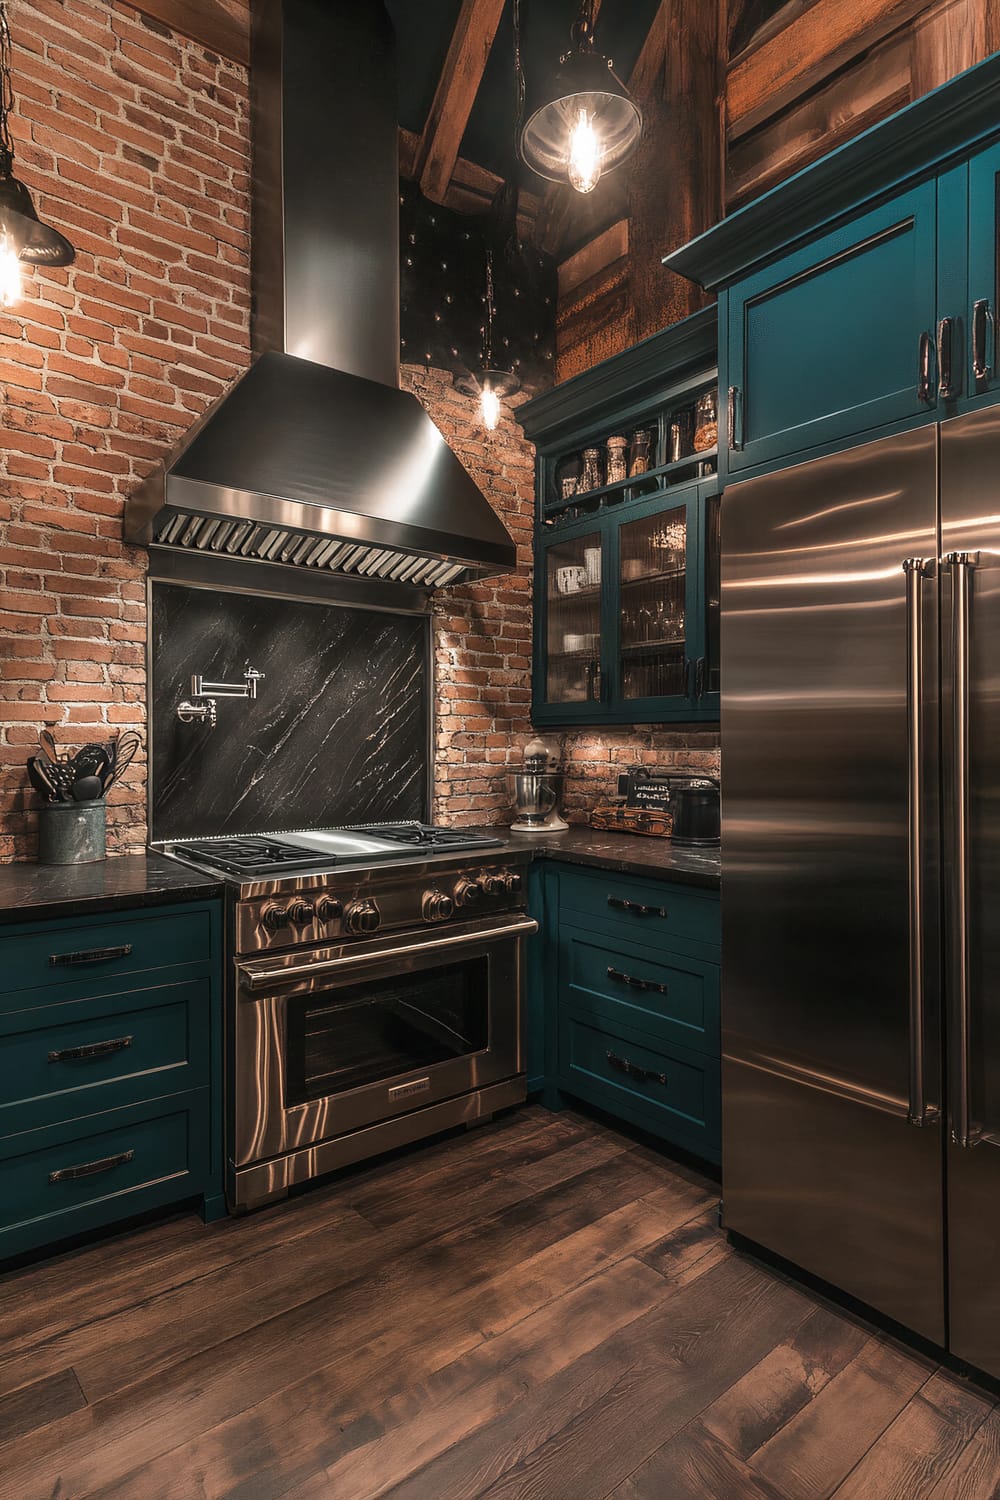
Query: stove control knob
[[329, 911], [438, 907], [363, 917], [301, 913], [514, 881], [497, 885], [274, 917], [467, 892]]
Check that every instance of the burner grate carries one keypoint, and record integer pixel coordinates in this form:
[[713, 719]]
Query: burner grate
[[254, 856]]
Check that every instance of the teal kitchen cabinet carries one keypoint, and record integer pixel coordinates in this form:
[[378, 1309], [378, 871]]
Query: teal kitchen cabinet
[[983, 381], [837, 338], [626, 571], [858, 298], [110, 1070], [624, 1000]]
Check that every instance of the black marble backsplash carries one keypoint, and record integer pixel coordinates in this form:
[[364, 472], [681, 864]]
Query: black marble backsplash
[[339, 732]]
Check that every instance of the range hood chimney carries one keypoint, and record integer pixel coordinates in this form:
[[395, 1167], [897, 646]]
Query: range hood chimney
[[316, 462]]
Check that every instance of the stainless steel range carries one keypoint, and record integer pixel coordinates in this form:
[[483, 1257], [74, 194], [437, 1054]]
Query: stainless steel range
[[374, 993]]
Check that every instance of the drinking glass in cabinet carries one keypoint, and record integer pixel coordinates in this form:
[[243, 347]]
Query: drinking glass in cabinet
[[573, 607], [653, 592]]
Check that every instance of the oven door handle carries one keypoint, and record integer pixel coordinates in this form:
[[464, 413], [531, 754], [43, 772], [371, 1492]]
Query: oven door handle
[[254, 978]]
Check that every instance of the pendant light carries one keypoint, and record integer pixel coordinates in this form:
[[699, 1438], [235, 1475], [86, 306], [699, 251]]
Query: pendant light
[[493, 384], [590, 124], [24, 239]]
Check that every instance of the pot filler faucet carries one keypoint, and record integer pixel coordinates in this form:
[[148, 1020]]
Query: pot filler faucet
[[201, 708]]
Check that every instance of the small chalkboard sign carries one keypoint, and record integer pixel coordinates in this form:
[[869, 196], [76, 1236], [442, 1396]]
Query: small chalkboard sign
[[653, 793]]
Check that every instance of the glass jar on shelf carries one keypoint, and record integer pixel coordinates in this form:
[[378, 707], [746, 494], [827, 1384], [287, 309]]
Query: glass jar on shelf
[[681, 434], [592, 476], [640, 460], [617, 461], [706, 421]]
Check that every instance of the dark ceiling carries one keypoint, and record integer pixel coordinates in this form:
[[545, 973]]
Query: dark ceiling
[[424, 29]]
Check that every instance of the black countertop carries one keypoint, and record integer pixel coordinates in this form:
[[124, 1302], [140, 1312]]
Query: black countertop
[[628, 853], [30, 892]]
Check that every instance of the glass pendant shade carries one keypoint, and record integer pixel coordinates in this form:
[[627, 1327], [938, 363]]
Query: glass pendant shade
[[589, 126], [34, 243]]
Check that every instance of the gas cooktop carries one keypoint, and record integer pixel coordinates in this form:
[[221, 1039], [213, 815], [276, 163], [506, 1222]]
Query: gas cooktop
[[266, 854]]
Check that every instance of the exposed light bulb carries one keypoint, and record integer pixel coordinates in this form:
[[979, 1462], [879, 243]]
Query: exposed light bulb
[[585, 155], [10, 273], [489, 406]]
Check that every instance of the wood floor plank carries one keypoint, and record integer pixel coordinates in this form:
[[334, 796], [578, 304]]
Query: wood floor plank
[[38, 1404], [372, 1446], [921, 1447], [143, 1421], [680, 1359], [543, 1309], [976, 1473], [694, 1465], [815, 1451], [749, 1414]]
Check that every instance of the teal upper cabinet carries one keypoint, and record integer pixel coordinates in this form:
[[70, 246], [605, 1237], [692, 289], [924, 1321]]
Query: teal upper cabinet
[[627, 536], [984, 275], [836, 338], [859, 296]]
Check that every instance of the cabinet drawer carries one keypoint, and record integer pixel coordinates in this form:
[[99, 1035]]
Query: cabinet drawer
[[74, 955], [79, 1057], [84, 1173], [668, 1090], [653, 913], [670, 996]]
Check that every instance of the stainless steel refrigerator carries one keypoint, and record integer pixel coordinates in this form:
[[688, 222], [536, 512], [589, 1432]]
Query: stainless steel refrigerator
[[861, 874]]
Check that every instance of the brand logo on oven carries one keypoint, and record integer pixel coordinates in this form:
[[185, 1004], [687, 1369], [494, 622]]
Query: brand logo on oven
[[404, 1090]]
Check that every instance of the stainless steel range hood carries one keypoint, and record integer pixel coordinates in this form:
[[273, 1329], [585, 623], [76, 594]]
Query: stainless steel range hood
[[316, 462]]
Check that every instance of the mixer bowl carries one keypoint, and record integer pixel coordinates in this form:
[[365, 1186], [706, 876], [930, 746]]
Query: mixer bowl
[[536, 797]]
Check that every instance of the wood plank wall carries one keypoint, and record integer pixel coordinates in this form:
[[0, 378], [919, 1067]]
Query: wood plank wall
[[814, 74]]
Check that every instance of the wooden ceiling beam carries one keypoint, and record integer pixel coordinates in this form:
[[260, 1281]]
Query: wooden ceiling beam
[[223, 26], [805, 52], [455, 95]]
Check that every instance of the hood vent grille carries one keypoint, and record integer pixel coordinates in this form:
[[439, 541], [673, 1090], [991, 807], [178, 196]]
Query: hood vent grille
[[277, 544]]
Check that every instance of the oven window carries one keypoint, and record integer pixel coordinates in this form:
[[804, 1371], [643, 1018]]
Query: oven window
[[372, 1032]]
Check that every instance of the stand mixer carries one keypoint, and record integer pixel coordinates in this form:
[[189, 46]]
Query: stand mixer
[[537, 791]]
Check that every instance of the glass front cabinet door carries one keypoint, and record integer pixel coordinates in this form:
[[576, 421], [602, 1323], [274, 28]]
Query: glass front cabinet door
[[627, 604]]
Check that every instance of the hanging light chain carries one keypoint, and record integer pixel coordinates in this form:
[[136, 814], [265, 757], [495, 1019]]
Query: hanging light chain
[[519, 85], [488, 320], [6, 94]]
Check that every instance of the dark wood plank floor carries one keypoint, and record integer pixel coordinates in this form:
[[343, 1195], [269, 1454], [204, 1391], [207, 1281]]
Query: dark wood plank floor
[[540, 1308]]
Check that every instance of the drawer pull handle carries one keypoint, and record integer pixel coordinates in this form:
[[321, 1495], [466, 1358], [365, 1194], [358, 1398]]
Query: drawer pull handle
[[644, 1075], [89, 956], [91, 1168], [636, 907], [637, 984], [92, 1049]]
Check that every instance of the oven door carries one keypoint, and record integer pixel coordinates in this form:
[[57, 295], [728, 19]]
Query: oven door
[[334, 1039]]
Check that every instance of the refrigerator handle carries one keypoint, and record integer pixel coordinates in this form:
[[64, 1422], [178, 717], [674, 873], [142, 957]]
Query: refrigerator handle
[[915, 570], [962, 1132]]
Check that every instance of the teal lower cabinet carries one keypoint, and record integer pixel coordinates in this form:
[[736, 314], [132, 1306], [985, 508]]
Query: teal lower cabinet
[[624, 1000], [110, 1071]]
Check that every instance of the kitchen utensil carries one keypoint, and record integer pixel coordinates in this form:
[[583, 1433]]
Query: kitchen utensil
[[571, 579], [45, 788], [47, 741], [86, 788], [123, 753], [58, 774], [696, 813]]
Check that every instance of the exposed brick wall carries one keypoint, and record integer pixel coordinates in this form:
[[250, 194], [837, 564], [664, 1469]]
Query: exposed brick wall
[[483, 650], [134, 144]]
